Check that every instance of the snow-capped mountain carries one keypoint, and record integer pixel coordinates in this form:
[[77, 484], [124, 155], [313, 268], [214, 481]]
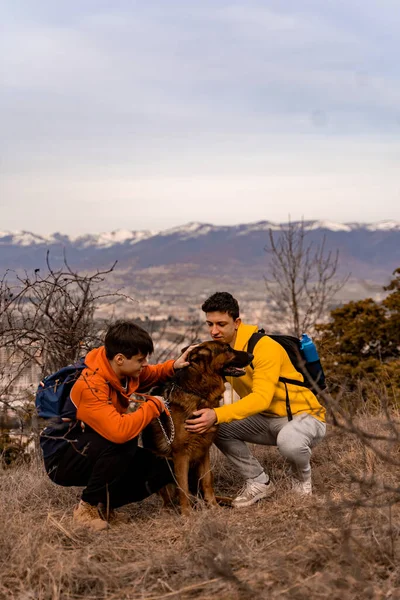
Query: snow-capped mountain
[[368, 250]]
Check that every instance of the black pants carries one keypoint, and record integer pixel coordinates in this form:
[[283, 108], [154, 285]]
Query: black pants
[[114, 474]]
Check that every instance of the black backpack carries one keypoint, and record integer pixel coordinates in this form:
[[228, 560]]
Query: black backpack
[[313, 373]]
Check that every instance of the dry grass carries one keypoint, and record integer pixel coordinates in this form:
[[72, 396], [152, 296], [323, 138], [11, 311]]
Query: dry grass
[[342, 543]]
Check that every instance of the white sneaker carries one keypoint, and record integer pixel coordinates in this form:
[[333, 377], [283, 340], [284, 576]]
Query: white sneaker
[[302, 488], [252, 492]]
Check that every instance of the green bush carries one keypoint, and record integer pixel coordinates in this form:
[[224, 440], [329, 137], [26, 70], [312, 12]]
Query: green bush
[[360, 349]]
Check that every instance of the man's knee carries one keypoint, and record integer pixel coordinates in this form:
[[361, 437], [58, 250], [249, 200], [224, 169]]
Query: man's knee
[[292, 446], [296, 439]]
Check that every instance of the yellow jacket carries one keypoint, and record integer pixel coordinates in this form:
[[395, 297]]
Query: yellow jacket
[[260, 389]]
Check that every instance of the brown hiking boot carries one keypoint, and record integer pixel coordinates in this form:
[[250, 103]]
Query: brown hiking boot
[[112, 516], [87, 515]]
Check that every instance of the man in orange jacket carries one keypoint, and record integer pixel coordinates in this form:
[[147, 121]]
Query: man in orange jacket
[[101, 449]]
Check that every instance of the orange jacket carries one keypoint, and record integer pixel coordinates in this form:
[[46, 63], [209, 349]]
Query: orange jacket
[[102, 403]]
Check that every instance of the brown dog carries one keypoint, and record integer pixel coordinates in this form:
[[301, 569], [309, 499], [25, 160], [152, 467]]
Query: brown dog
[[200, 385]]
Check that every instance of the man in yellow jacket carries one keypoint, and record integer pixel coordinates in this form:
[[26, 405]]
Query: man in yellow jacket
[[260, 416]]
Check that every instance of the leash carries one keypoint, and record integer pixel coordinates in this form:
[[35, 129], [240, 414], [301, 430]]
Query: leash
[[142, 399], [169, 440]]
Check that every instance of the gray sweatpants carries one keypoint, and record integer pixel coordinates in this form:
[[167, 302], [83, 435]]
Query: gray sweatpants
[[294, 440]]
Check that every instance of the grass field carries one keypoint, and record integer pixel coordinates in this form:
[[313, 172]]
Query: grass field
[[342, 543]]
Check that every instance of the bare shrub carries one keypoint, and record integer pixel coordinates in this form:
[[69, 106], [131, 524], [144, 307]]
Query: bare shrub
[[302, 277], [46, 322]]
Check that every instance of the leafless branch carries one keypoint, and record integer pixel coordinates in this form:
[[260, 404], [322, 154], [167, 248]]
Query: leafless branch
[[301, 279]]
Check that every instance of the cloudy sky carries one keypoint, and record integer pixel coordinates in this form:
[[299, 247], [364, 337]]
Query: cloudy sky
[[146, 114]]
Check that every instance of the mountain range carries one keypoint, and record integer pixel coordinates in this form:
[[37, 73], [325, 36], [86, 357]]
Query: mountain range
[[368, 251]]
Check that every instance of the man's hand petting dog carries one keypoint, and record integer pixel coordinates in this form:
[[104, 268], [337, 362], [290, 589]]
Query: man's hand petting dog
[[201, 421], [182, 360]]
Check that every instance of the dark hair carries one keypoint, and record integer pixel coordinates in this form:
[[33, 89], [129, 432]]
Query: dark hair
[[127, 338], [222, 302]]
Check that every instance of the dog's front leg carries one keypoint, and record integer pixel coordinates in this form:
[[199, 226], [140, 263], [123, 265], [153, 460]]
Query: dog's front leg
[[207, 480], [181, 466]]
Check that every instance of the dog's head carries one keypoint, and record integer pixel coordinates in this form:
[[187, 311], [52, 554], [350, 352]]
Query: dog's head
[[220, 358]]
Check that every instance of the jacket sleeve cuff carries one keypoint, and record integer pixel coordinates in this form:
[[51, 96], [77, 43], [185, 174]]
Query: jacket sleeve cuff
[[156, 403], [222, 417], [170, 366]]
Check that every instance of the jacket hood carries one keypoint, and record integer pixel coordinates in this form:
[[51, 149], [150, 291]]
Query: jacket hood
[[97, 361], [244, 333]]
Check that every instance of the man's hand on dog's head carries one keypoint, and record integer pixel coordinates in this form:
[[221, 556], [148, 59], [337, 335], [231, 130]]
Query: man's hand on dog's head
[[202, 421], [182, 360]]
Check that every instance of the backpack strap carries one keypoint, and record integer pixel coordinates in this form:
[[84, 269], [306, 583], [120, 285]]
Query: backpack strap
[[293, 382], [256, 337], [288, 409]]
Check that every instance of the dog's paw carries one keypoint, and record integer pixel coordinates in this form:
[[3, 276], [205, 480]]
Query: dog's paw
[[224, 500]]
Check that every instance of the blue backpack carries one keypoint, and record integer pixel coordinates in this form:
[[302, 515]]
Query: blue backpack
[[53, 402], [53, 394]]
